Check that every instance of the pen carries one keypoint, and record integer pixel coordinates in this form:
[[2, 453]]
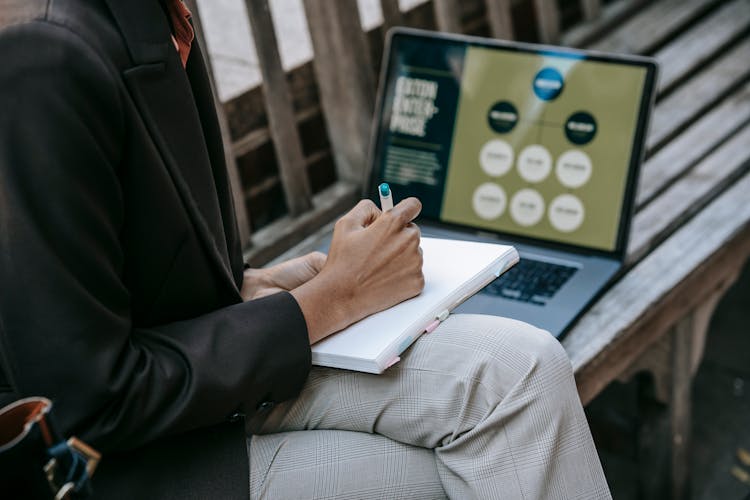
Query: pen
[[386, 200]]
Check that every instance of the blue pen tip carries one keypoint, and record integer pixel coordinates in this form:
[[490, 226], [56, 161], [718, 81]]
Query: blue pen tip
[[385, 189]]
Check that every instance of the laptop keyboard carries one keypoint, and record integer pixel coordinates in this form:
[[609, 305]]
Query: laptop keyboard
[[532, 281]]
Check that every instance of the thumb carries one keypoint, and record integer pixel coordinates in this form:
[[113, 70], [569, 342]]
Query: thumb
[[407, 210], [316, 261]]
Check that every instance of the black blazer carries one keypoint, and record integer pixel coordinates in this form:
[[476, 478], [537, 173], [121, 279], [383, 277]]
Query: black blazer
[[120, 264]]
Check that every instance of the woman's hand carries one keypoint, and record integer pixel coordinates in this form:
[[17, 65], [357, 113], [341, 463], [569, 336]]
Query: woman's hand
[[374, 263], [286, 276]]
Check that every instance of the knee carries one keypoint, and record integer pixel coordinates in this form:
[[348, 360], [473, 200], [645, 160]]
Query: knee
[[543, 352], [529, 352]]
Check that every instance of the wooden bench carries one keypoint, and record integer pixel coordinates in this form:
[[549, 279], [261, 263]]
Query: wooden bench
[[691, 232]]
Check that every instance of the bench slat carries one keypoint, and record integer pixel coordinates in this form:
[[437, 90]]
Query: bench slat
[[281, 122], [392, 15], [613, 14], [500, 19], [448, 15], [547, 20], [689, 194], [699, 45], [591, 9], [653, 26], [679, 267], [281, 234], [346, 81], [690, 101], [691, 145]]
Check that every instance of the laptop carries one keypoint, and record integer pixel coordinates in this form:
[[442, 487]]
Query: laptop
[[534, 146]]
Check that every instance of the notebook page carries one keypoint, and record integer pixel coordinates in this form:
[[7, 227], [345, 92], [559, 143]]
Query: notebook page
[[448, 264]]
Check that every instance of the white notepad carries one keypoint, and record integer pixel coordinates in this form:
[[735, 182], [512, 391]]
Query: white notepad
[[454, 270]]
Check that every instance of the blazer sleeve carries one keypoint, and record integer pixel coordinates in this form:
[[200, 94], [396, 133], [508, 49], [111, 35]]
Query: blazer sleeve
[[65, 323]]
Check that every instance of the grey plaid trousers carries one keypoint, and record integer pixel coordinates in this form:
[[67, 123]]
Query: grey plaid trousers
[[483, 407]]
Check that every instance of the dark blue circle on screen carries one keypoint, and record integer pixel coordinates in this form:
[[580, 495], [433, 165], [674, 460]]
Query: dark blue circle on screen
[[580, 128], [502, 117], [548, 84]]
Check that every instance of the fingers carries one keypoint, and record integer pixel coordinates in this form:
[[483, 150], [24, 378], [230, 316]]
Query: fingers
[[362, 215], [316, 260], [407, 210], [366, 212]]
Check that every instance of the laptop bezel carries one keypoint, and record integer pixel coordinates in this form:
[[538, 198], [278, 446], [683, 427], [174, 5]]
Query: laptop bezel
[[637, 152]]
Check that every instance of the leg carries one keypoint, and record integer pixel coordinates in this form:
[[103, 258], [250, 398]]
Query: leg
[[340, 464], [494, 398], [665, 431]]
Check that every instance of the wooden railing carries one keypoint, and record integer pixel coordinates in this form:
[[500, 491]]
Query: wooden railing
[[297, 145]]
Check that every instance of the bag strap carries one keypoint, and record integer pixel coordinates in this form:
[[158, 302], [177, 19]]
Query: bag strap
[[29, 435]]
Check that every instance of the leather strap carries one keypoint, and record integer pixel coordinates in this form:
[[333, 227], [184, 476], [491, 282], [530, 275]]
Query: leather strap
[[17, 418], [34, 461]]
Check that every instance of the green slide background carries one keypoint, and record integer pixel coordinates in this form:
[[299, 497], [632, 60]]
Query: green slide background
[[610, 93]]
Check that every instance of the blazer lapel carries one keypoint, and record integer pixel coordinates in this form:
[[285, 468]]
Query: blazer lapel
[[160, 89], [204, 101]]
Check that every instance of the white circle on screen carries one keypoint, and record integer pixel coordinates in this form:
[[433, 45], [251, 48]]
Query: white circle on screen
[[496, 157], [527, 207], [573, 168], [534, 163], [566, 213], [489, 201]]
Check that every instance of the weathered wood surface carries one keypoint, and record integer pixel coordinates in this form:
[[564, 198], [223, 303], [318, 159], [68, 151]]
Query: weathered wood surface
[[281, 120], [689, 238], [665, 430], [500, 19], [448, 15], [346, 81], [691, 100], [669, 207], [287, 231], [547, 20], [702, 43], [691, 145], [652, 26], [392, 15], [591, 9], [612, 15], [689, 194], [235, 183], [699, 258], [680, 405]]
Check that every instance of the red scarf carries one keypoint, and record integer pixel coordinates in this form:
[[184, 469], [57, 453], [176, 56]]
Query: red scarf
[[183, 31]]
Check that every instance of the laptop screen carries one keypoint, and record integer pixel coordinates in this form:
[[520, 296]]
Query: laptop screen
[[513, 139]]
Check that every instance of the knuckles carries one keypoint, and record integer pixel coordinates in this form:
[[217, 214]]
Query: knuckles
[[365, 205], [318, 259], [415, 234], [341, 223], [420, 282]]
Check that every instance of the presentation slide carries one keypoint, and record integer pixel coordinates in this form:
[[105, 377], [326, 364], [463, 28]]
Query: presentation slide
[[513, 142]]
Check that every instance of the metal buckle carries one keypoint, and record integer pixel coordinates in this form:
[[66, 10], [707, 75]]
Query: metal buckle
[[92, 456], [50, 468], [67, 488]]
